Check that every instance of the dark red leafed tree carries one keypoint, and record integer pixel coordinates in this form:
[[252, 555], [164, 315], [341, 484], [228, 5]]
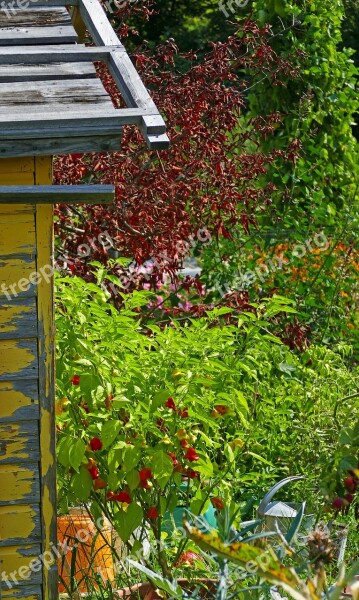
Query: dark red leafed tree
[[207, 184]]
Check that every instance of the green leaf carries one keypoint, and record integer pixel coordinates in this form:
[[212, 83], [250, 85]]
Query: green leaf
[[109, 432], [348, 463], [265, 563], [131, 458], [127, 521], [77, 454], [229, 454], [172, 588], [133, 479], [204, 466], [159, 399], [63, 450], [82, 484], [162, 468]]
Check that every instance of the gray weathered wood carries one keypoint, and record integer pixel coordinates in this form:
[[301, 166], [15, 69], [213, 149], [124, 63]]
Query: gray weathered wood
[[27, 591], [45, 72], [18, 319], [35, 25], [52, 194], [14, 517], [30, 55], [121, 66], [31, 16], [17, 479], [19, 443], [13, 269], [64, 145], [44, 94], [98, 24], [66, 121], [20, 555], [37, 35], [158, 142], [19, 401], [40, 3], [18, 360]]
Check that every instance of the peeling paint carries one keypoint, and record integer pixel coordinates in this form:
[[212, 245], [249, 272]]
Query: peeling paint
[[17, 522], [13, 401]]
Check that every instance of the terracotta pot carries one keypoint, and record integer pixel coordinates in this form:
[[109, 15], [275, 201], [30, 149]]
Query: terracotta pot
[[77, 532], [347, 592], [147, 592]]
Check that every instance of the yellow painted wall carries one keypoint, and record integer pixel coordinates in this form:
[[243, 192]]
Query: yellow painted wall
[[27, 435]]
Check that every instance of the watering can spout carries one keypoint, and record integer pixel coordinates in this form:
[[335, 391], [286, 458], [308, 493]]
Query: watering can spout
[[262, 508]]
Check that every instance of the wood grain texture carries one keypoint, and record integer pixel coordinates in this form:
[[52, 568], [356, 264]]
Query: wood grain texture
[[12, 558], [35, 25], [43, 72], [98, 24], [52, 93], [25, 592], [95, 142], [20, 524], [18, 359], [49, 53], [19, 443], [46, 353], [18, 318], [19, 484], [52, 194], [23, 165], [17, 233], [19, 401], [15, 274]]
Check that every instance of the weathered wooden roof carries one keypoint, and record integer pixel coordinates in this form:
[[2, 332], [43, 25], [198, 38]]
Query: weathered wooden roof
[[51, 101]]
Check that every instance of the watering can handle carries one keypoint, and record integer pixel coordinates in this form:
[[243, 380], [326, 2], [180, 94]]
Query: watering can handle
[[268, 497]]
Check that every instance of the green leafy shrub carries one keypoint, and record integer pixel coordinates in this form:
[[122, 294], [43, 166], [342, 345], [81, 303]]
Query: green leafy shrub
[[185, 415]]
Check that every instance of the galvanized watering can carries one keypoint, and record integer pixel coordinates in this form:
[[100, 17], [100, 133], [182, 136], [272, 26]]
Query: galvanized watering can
[[279, 514]]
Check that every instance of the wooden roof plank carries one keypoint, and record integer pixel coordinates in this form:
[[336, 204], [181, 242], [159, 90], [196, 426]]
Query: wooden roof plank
[[44, 72], [37, 35], [38, 25], [65, 119], [53, 194], [98, 24], [48, 93], [62, 145], [32, 55]]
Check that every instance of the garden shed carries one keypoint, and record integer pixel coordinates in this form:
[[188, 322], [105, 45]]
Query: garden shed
[[51, 102]]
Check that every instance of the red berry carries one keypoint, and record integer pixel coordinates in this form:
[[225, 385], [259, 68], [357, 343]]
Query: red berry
[[183, 443], [94, 472], [217, 503], [152, 513], [349, 498], [349, 483], [183, 413], [144, 485], [338, 503], [191, 455], [145, 474], [75, 380], [170, 404], [123, 497], [173, 457], [96, 444], [221, 409], [191, 474], [189, 556]]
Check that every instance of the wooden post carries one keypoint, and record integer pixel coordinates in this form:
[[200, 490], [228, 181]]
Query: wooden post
[[27, 430]]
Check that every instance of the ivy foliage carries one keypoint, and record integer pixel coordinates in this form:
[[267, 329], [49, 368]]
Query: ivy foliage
[[319, 106]]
